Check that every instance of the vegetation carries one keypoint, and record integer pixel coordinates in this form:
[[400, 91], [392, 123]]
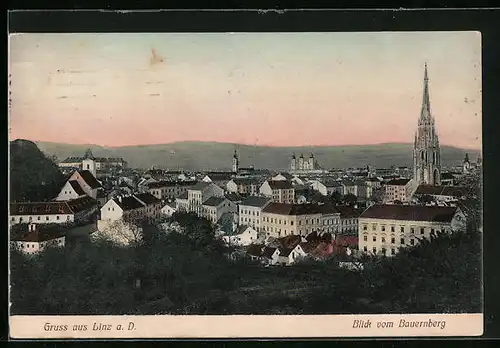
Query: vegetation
[[189, 273], [33, 177]]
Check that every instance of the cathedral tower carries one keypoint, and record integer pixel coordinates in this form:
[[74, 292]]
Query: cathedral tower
[[235, 162], [293, 163], [426, 151]]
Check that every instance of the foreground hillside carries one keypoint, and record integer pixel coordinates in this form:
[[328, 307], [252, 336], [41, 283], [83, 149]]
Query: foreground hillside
[[33, 176], [217, 156]]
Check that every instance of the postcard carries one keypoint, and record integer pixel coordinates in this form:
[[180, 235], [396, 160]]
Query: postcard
[[245, 185]]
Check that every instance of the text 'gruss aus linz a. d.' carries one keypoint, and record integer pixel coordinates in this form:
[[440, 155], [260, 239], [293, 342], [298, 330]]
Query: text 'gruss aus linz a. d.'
[[94, 327]]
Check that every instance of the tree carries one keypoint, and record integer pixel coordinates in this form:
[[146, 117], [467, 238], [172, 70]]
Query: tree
[[425, 199], [335, 197], [121, 233], [350, 199]]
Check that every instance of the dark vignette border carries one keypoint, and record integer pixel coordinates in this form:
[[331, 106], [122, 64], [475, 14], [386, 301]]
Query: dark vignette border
[[483, 20]]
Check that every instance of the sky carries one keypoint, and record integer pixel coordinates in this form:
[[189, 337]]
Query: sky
[[278, 89]]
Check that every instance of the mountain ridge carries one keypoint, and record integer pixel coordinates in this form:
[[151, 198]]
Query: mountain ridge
[[204, 155]]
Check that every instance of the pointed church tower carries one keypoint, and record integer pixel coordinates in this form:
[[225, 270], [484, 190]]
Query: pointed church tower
[[235, 162], [426, 150], [293, 163]]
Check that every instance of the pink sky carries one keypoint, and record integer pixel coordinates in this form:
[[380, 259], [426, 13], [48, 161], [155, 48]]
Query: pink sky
[[253, 88]]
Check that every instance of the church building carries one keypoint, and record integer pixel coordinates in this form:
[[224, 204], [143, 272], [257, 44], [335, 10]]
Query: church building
[[426, 150]]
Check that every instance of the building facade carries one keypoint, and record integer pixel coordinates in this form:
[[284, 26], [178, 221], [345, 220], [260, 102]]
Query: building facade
[[250, 211], [384, 229], [279, 191], [426, 149]]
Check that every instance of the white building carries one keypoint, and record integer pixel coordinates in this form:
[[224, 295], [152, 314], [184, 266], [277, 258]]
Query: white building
[[398, 190], [280, 191], [75, 210], [246, 235], [168, 209], [441, 194], [33, 238], [384, 229], [80, 181], [132, 209], [214, 207], [169, 190], [327, 187], [243, 186], [250, 211], [288, 256]]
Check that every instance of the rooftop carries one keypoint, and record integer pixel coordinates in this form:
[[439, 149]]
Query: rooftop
[[398, 182], [410, 213], [255, 201], [89, 179], [455, 191], [214, 201], [280, 185]]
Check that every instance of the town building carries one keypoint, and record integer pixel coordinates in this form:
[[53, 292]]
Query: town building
[[398, 190], [384, 229], [33, 238], [131, 209], [93, 164], [304, 165], [440, 194], [250, 211], [168, 209], [214, 207], [79, 183], [288, 256], [71, 211], [235, 164], [349, 216], [327, 186], [279, 191], [245, 235], [243, 186], [169, 190], [426, 149], [282, 219]]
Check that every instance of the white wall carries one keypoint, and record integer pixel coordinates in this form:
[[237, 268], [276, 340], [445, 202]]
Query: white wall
[[111, 211], [67, 192]]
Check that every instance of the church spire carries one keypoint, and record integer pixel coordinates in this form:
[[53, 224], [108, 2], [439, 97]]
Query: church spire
[[426, 104]]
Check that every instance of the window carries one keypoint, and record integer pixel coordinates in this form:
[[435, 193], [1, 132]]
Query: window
[[422, 230], [38, 218], [30, 218], [365, 238], [393, 251], [365, 227], [13, 218], [365, 249], [57, 217], [402, 229], [374, 250], [393, 240], [412, 241], [374, 238], [432, 230], [402, 241], [374, 227], [383, 239], [383, 227], [47, 218]]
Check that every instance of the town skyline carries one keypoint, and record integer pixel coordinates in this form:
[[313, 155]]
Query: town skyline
[[278, 90]]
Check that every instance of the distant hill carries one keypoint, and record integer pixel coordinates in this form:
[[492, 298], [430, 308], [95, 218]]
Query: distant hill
[[217, 156], [33, 176]]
